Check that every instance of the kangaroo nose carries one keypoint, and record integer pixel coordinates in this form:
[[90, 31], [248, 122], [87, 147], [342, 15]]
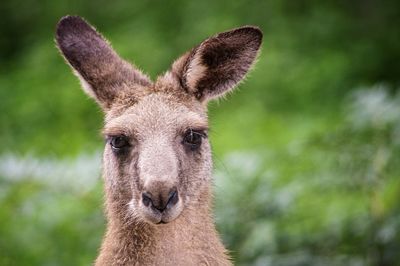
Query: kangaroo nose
[[160, 201]]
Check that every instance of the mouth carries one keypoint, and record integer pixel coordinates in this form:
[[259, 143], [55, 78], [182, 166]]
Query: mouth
[[157, 217], [163, 217]]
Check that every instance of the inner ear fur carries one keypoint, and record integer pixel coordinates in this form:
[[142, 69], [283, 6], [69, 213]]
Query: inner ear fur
[[103, 74], [219, 63]]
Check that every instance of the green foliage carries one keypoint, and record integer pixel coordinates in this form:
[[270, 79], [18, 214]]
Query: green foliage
[[328, 199], [306, 151], [39, 226]]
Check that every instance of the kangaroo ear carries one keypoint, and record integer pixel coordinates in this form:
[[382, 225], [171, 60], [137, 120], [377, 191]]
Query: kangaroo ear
[[103, 74], [219, 63]]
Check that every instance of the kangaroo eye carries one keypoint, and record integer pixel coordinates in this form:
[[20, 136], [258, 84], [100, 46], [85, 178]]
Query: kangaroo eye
[[193, 139], [119, 142]]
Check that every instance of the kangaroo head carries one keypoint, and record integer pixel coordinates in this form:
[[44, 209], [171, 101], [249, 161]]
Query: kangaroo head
[[157, 157]]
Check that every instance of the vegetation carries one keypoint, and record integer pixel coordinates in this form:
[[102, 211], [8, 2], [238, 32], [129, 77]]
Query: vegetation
[[307, 151]]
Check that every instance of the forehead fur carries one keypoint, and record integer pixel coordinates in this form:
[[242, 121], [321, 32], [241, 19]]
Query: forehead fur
[[156, 112]]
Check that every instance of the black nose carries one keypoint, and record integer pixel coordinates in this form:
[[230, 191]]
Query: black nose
[[160, 201]]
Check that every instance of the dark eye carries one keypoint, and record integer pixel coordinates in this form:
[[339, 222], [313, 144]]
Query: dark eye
[[119, 142], [193, 139]]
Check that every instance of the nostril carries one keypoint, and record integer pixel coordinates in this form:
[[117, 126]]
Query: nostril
[[162, 202], [173, 198], [146, 198]]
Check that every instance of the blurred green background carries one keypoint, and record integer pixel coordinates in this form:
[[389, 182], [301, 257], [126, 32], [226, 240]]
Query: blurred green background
[[306, 151]]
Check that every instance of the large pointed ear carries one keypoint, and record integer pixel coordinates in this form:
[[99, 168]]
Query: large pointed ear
[[103, 74], [219, 63]]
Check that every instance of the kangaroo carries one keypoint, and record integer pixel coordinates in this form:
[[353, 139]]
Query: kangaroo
[[157, 164]]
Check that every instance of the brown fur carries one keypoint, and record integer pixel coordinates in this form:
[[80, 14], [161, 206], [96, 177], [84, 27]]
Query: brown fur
[[155, 119]]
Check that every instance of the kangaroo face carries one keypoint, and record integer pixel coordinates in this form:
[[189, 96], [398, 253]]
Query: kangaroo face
[[158, 153], [157, 158]]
